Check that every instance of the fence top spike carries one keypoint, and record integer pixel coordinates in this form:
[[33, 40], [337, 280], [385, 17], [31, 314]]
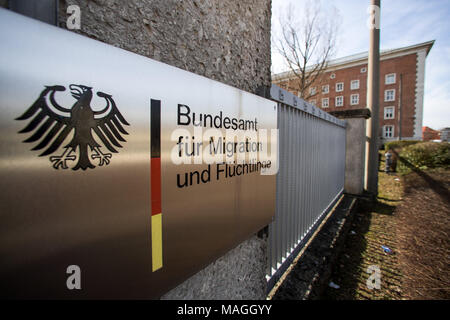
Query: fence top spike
[[283, 96]]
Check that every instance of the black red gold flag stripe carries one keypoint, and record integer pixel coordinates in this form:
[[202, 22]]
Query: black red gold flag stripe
[[155, 167]]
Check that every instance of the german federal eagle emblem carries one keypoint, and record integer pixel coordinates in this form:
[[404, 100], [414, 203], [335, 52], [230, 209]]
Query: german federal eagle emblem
[[54, 123]]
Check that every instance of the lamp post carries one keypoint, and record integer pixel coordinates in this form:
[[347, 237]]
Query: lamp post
[[373, 98]]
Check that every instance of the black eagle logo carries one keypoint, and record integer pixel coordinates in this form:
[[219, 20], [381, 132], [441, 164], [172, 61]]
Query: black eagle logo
[[107, 124]]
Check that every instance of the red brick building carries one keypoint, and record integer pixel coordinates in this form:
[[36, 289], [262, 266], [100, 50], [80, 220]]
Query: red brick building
[[343, 86], [429, 134]]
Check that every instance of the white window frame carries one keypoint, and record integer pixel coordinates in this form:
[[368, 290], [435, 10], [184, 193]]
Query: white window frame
[[337, 84], [389, 113], [363, 70], [327, 104], [336, 101], [386, 95], [386, 131], [386, 77], [313, 102], [326, 88], [333, 75], [357, 99], [352, 87], [312, 91]]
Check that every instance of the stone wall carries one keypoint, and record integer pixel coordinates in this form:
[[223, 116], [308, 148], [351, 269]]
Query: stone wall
[[225, 40]]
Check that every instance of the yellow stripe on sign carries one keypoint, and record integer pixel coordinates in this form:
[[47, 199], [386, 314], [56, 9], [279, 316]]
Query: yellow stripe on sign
[[157, 262]]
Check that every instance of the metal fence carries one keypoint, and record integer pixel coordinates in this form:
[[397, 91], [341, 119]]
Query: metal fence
[[310, 178]]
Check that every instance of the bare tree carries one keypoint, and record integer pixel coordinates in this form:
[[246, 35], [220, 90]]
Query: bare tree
[[307, 41]]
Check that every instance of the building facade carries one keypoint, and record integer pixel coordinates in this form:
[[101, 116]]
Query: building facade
[[429, 134], [445, 134], [343, 86]]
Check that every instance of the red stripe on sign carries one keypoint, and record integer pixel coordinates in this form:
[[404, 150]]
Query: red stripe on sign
[[156, 185]]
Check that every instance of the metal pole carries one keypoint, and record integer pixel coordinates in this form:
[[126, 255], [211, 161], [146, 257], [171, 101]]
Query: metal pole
[[43, 10], [400, 108], [373, 96]]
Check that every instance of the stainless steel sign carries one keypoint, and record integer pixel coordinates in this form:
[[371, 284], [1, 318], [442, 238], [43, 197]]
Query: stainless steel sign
[[121, 176]]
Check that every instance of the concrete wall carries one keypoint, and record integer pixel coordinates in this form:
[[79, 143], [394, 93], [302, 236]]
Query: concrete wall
[[240, 274], [225, 40]]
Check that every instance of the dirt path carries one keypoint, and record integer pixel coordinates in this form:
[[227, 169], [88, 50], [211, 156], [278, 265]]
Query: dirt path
[[411, 218], [423, 235]]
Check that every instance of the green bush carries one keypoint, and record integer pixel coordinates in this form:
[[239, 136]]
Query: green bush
[[425, 155], [399, 144]]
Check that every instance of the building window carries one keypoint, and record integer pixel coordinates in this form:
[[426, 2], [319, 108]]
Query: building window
[[339, 86], [325, 103], [389, 95], [389, 113], [333, 75], [363, 70], [354, 99], [313, 102], [389, 78], [325, 89], [388, 131], [312, 91], [339, 101], [354, 84]]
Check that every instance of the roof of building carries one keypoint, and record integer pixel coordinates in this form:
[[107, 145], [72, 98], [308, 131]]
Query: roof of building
[[425, 128], [361, 58]]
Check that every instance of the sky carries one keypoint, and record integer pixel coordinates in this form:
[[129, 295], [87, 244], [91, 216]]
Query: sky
[[403, 23]]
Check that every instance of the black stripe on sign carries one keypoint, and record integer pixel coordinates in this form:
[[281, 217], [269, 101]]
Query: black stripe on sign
[[155, 128]]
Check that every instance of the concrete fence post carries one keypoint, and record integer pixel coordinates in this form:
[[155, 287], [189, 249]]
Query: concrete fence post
[[355, 148]]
